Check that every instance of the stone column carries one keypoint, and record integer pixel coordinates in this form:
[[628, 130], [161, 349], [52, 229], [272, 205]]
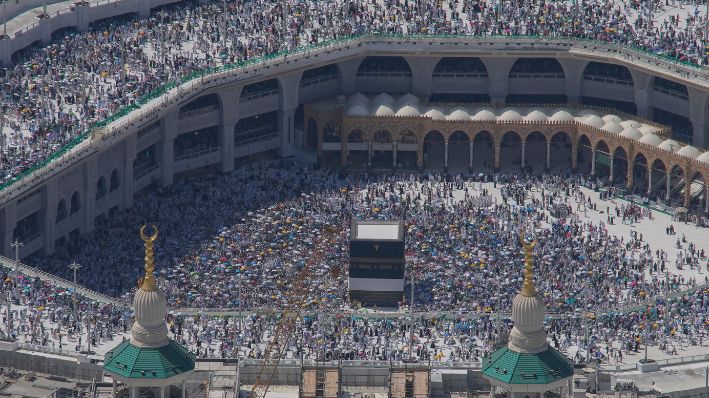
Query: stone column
[[114, 388], [470, 158], [610, 164], [133, 392], [498, 70], [369, 154], [548, 155], [573, 72], [45, 30], [394, 145], [669, 184], [228, 118], [649, 180], [287, 128], [631, 177], [82, 17], [169, 129], [574, 155], [343, 152], [497, 157], [9, 224], [421, 74], [419, 155], [49, 199], [127, 175], [5, 52], [687, 188], [184, 389], [144, 9], [290, 91], [348, 78], [89, 194], [706, 196], [524, 155], [445, 158], [698, 116], [593, 162], [700, 133], [641, 81]]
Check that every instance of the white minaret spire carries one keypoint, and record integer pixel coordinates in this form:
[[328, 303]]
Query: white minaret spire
[[149, 304], [528, 334]]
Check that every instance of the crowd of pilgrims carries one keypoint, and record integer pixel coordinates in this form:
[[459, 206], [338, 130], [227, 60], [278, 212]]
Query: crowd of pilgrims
[[254, 231], [53, 93]]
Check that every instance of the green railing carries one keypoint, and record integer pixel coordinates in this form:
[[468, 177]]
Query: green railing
[[304, 49]]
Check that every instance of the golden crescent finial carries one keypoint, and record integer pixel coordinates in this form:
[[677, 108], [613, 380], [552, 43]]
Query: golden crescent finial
[[528, 284], [149, 282], [148, 238]]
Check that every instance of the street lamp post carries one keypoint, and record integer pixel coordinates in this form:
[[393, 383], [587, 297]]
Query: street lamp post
[[4, 19], [17, 245], [88, 331], [226, 28], [74, 266], [238, 351], [411, 318]]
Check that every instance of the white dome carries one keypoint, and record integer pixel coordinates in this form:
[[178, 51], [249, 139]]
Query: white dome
[[536, 116], [383, 110], [611, 118], [651, 139], [593, 120], [358, 99], [528, 334], [704, 158], [669, 145], [689, 151], [632, 133], [357, 110], [382, 99], [510, 115], [562, 116], [587, 112], [485, 115], [407, 99], [612, 127], [435, 114], [149, 329], [458, 114], [646, 129], [630, 123], [408, 110]]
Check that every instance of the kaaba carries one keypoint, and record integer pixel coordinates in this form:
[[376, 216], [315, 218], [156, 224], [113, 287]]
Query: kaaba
[[376, 272]]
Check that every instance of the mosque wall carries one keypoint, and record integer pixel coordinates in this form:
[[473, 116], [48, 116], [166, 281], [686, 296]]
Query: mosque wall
[[146, 151]]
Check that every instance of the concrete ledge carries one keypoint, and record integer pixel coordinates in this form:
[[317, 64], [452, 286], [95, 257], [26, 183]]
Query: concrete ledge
[[8, 345], [650, 366]]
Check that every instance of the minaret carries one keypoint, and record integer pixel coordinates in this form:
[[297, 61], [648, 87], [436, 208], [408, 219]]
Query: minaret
[[528, 366], [528, 334], [149, 304], [150, 360]]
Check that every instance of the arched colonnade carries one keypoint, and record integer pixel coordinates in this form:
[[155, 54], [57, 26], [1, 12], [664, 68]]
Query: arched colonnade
[[456, 146]]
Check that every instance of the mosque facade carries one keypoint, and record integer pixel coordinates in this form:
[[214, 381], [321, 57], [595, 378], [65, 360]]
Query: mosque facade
[[258, 111]]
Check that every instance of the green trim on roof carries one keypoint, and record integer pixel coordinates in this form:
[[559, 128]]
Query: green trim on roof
[[135, 362], [513, 367]]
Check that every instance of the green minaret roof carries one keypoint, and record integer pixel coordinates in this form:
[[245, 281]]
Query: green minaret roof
[[133, 362], [150, 354], [513, 367]]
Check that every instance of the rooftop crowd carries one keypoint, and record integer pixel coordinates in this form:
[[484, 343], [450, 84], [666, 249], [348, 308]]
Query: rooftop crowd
[[222, 232], [51, 94]]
